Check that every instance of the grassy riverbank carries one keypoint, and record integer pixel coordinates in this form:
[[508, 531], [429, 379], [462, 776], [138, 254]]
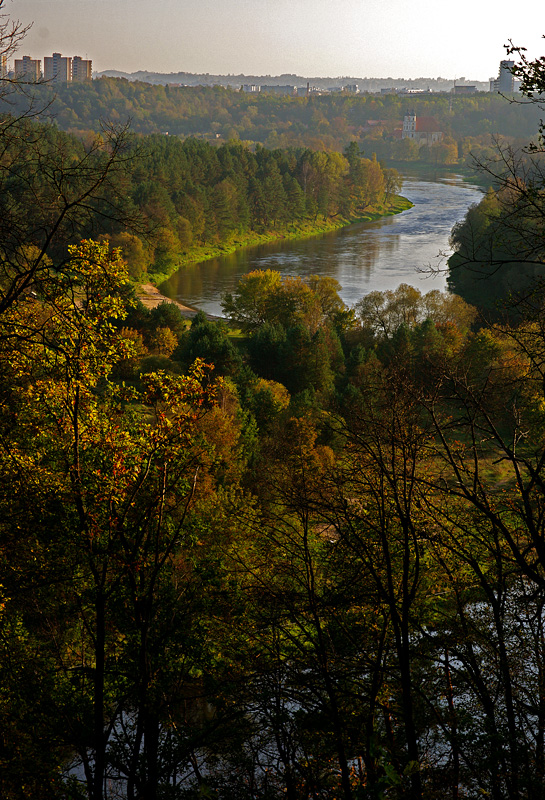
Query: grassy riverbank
[[304, 230]]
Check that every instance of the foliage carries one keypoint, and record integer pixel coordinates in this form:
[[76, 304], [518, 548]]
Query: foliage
[[74, 191], [498, 246], [121, 471], [499, 254], [328, 121], [320, 574]]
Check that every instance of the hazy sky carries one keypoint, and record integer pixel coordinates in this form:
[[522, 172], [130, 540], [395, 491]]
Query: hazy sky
[[361, 38]]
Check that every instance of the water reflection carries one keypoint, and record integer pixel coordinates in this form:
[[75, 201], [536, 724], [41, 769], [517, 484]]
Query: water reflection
[[362, 257]]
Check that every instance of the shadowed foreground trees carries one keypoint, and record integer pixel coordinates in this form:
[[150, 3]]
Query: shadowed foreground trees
[[55, 190], [356, 615], [343, 600], [428, 549], [99, 489], [499, 255]]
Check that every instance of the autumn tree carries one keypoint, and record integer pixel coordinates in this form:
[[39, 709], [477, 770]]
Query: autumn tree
[[69, 186], [499, 253], [116, 473]]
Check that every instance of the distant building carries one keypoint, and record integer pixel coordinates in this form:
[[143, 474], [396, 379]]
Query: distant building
[[464, 89], [505, 82], [305, 91], [82, 69], [3, 66], [285, 90], [58, 68], [28, 68], [406, 90], [424, 130], [250, 88]]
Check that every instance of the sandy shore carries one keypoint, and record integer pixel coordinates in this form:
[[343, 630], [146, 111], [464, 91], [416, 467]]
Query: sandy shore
[[150, 296]]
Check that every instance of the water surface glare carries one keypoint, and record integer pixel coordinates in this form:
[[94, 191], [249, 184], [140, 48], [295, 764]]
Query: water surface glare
[[362, 257]]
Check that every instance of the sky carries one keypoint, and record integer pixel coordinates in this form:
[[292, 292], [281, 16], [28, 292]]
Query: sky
[[312, 38]]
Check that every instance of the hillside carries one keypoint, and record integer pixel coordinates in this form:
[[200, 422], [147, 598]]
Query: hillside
[[320, 122]]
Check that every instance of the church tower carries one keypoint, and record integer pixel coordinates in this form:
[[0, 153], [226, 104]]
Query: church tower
[[409, 125]]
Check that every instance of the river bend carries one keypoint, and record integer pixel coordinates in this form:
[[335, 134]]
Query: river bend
[[362, 257]]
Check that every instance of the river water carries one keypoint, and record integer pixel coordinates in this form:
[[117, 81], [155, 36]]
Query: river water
[[362, 257]]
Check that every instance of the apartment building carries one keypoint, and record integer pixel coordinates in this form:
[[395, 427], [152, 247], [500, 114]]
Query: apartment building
[[28, 68], [58, 68], [63, 69], [82, 69], [505, 82]]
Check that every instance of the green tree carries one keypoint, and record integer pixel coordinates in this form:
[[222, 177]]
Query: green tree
[[210, 341], [121, 471], [248, 307]]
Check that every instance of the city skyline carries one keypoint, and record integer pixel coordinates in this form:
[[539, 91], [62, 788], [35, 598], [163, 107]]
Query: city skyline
[[262, 37]]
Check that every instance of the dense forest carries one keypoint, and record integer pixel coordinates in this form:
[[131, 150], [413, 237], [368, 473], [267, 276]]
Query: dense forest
[[499, 247], [193, 197], [181, 201], [320, 122], [295, 553]]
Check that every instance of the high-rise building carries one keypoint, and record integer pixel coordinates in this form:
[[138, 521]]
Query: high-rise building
[[505, 82], [28, 68], [58, 68], [82, 69]]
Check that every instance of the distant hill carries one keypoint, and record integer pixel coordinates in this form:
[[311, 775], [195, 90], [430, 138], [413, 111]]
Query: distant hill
[[236, 81], [328, 121]]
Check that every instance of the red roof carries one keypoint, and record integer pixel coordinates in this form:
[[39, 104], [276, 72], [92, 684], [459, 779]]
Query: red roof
[[427, 125]]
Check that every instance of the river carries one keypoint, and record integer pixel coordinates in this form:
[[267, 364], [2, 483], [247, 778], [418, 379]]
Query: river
[[362, 257]]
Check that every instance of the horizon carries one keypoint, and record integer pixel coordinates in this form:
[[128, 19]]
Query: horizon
[[277, 76], [376, 40]]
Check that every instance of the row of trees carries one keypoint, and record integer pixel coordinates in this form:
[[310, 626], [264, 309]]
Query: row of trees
[[159, 197], [318, 122], [195, 194]]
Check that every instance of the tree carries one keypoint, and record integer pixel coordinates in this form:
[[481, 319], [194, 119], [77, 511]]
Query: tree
[[532, 81], [392, 182], [68, 188], [53, 188], [264, 296], [12, 33], [291, 604], [210, 341], [248, 307], [134, 253], [499, 247], [384, 312], [111, 479]]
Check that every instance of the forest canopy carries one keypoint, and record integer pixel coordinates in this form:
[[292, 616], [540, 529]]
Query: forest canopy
[[325, 122], [167, 202], [296, 554]]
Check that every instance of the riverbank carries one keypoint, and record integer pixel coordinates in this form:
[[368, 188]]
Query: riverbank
[[422, 169], [151, 297], [370, 256], [304, 230]]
